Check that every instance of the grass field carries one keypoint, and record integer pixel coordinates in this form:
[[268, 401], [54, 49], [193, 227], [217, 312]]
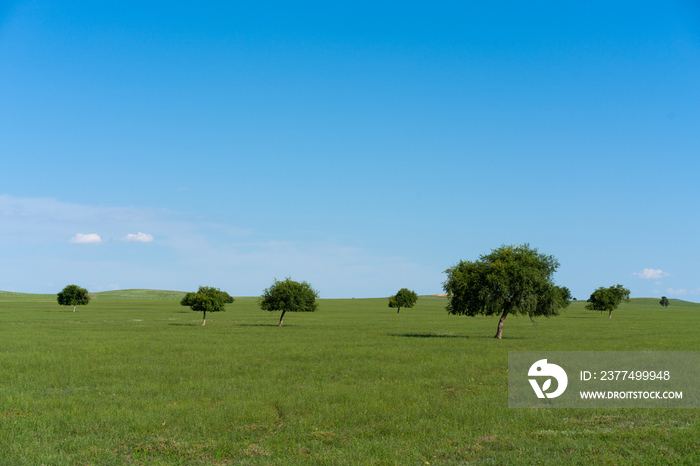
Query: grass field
[[133, 378]]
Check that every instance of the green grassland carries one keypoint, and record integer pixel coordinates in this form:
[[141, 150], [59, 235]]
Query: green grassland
[[133, 378]]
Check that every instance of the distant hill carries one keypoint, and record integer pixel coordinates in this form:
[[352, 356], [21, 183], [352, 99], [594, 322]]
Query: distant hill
[[651, 303], [170, 295], [13, 294], [161, 295]]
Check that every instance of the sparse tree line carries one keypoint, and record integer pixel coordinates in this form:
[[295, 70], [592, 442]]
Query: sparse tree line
[[515, 279], [286, 296]]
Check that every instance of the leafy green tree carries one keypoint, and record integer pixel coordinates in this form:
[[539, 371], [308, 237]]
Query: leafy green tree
[[404, 298], [512, 279], [73, 295], [207, 299], [664, 301], [289, 296], [228, 298], [607, 299]]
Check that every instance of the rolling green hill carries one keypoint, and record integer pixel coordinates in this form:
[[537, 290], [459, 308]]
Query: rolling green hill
[[171, 295], [161, 295]]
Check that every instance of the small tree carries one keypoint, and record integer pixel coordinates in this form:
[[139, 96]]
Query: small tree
[[510, 280], [73, 295], [289, 296], [404, 298], [207, 299], [607, 299], [664, 301]]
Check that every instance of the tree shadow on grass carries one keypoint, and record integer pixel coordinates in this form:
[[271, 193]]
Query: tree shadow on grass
[[504, 337], [185, 325], [263, 325], [447, 335], [427, 335]]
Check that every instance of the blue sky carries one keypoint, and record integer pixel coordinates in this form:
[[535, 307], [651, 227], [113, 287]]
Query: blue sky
[[362, 147]]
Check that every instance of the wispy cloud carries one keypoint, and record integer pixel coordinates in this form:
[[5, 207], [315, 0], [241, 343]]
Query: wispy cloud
[[86, 239], [45, 220], [651, 273], [139, 237], [193, 251], [679, 291]]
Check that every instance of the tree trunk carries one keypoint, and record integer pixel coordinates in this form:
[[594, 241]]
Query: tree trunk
[[398, 309], [610, 315], [499, 332], [73, 307], [204, 320], [281, 318]]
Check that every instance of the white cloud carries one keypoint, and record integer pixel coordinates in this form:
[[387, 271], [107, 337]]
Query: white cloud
[[193, 251], [676, 292], [139, 237], [658, 283], [695, 291], [33, 221], [651, 273], [86, 239]]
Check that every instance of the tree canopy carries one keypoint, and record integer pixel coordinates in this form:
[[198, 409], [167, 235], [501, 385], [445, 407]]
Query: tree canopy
[[228, 299], [289, 296], [514, 279], [207, 299], [664, 301], [607, 299], [73, 295], [403, 298]]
